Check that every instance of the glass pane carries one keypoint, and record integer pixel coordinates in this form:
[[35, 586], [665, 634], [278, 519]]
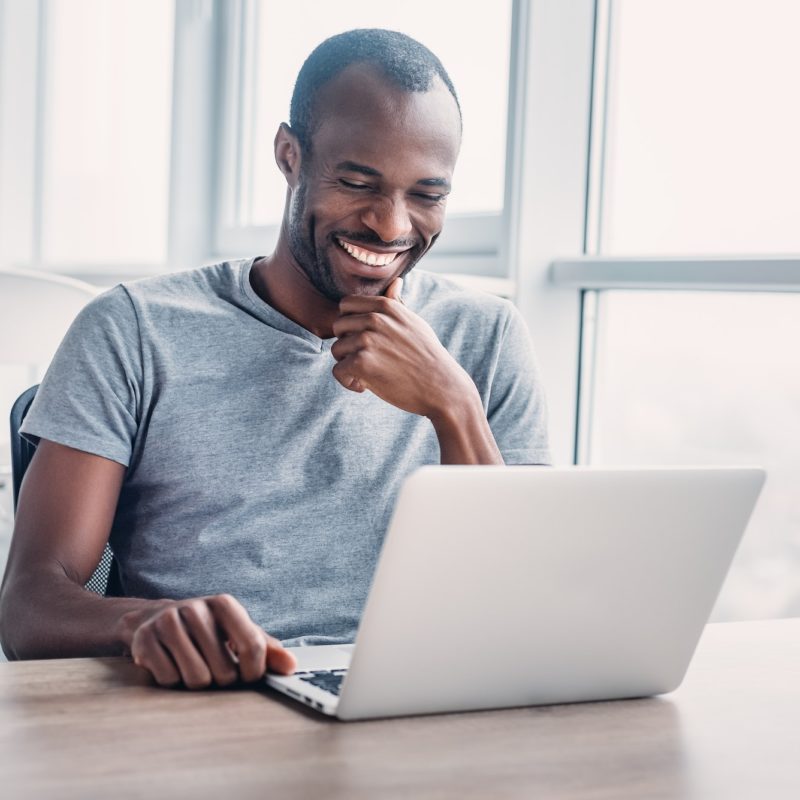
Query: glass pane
[[480, 77], [107, 123], [702, 128], [711, 378]]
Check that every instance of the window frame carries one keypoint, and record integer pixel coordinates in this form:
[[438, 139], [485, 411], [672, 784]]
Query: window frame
[[470, 245], [193, 131], [587, 273], [543, 248]]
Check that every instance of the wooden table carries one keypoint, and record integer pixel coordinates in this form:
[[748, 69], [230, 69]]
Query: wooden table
[[86, 728]]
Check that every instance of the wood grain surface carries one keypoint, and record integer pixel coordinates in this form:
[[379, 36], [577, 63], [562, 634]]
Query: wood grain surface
[[86, 728]]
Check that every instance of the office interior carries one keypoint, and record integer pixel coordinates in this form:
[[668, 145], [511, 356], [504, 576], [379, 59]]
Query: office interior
[[628, 178]]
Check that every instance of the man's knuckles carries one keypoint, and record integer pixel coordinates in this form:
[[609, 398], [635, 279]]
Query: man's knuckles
[[251, 647], [168, 623], [168, 677], [226, 677], [225, 602], [375, 322], [198, 678], [195, 613]]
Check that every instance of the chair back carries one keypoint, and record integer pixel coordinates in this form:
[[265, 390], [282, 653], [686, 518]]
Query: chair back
[[105, 579], [21, 449], [35, 311]]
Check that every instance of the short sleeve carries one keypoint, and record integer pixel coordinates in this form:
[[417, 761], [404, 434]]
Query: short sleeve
[[517, 409], [90, 396]]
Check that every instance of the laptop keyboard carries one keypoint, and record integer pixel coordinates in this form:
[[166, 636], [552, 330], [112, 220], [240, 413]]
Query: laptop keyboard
[[328, 680]]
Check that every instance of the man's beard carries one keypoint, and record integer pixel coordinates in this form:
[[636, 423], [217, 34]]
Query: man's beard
[[316, 264]]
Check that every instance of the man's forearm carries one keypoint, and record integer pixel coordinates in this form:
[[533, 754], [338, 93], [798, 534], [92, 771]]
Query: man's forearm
[[464, 434], [50, 616]]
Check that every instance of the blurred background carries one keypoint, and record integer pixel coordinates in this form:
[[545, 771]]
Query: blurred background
[[629, 178]]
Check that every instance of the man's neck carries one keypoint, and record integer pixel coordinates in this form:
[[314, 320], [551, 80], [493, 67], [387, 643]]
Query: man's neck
[[281, 282]]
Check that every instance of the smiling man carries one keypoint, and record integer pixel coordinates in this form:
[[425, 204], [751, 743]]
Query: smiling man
[[239, 433]]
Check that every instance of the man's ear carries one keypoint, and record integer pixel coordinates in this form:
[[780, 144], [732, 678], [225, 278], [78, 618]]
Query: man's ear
[[288, 154]]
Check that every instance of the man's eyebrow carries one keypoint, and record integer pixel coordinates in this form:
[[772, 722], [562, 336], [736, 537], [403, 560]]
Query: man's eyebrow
[[442, 182], [351, 166], [363, 169]]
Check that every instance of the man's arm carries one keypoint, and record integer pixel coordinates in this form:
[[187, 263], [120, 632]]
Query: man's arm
[[66, 509], [386, 348]]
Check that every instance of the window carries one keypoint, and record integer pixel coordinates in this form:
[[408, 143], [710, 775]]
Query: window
[[106, 145], [271, 48], [702, 128], [696, 173], [85, 133], [710, 378], [613, 149]]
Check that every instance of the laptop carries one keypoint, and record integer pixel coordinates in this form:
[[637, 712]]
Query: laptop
[[520, 586]]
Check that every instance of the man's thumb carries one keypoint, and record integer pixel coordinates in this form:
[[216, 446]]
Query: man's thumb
[[395, 289]]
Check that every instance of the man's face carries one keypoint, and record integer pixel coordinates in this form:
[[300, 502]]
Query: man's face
[[370, 198]]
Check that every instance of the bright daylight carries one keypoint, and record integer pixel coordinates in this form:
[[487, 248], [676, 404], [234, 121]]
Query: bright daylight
[[399, 398]]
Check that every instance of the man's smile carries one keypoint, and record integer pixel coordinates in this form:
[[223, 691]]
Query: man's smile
[[370, 257]]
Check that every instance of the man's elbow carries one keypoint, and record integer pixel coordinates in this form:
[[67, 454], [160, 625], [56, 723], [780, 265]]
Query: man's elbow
[[20, 619], [9, 631]]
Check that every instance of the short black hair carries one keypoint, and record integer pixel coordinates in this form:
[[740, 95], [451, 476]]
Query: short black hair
[[404, 61]]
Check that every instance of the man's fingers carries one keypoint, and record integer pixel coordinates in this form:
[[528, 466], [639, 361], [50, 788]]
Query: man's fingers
[[395, 289], [202, 628], [363, 304], [352, 343], [148, 653], [172, 635], [207, 639], [355, 323], [343, 372], [279, 659], [246, 639]]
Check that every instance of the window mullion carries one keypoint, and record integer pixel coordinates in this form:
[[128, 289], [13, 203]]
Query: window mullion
[[721, 273]]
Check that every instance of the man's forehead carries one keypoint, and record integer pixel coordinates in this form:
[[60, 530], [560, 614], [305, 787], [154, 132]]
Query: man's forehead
[[362, 95], [361, 116]]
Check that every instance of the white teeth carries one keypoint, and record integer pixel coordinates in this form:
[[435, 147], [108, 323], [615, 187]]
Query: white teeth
[[366, 257]]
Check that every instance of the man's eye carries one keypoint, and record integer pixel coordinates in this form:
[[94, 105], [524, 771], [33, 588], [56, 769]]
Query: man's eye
[[432, 198], [351, 185]]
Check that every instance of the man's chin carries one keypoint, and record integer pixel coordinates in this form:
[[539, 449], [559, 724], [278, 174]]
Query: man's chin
[[367, 288], [360, 286]]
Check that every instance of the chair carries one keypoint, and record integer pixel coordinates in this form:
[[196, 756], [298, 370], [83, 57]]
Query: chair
[[105, 579], [36, 309]]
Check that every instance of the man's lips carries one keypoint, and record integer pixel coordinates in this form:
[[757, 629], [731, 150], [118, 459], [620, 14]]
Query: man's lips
[[371, 256]]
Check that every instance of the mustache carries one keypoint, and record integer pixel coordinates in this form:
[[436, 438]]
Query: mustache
[[360, 237]]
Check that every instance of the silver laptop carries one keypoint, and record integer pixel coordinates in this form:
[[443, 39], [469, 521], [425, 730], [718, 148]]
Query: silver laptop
[[516, 586]]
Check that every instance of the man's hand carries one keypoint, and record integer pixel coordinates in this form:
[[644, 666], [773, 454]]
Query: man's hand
[[386, 348], [203, 641]]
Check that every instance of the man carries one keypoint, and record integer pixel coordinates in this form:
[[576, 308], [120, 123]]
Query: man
[[239, 432]]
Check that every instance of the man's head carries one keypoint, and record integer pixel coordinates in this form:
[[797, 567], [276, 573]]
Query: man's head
[[369, 157]]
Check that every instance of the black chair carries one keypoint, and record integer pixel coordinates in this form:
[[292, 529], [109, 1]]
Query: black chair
[[105, 579]]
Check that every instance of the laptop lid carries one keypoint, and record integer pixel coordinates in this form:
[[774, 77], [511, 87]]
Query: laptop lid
[[508, 586]]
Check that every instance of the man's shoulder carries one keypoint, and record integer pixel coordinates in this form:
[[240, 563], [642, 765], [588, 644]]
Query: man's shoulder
[[187, 287]]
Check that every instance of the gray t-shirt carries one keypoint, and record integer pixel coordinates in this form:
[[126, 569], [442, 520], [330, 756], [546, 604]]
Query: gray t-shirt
[[250, 469]]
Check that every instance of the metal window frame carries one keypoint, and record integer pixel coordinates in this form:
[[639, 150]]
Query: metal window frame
[[543, 247], [554, 187], [699, 273], [192, 143], [470, 244]]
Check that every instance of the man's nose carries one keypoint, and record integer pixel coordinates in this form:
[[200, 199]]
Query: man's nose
[[388, 218]]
